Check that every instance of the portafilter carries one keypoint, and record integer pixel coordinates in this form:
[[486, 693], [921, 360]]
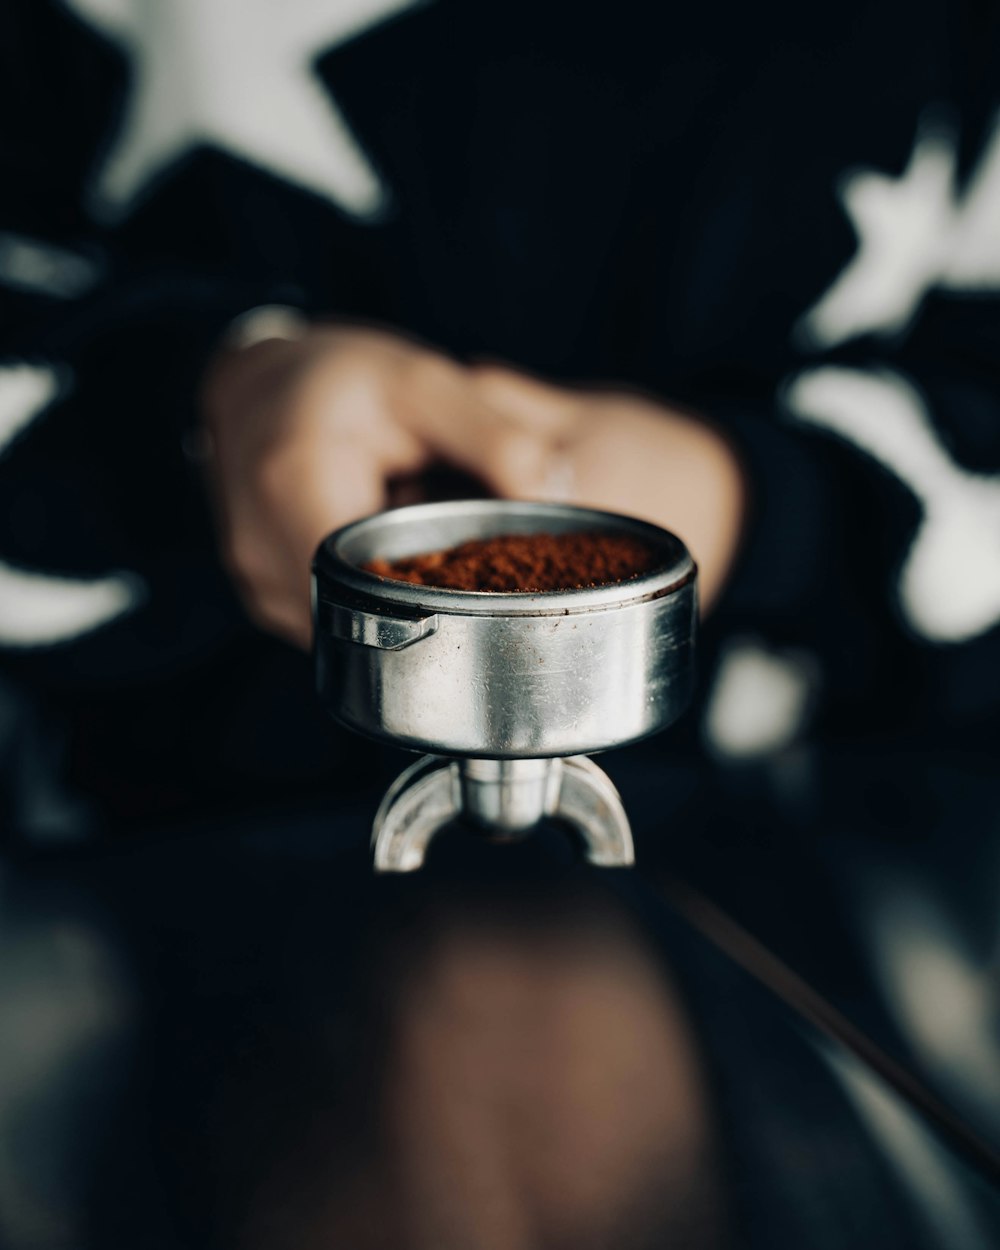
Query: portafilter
[[504, 693]]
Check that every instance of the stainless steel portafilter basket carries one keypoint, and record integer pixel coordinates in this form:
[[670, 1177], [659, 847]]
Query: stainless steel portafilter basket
[[503, 692]]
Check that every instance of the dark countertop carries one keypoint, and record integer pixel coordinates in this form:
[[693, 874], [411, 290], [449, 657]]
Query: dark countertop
[[232, 1034]]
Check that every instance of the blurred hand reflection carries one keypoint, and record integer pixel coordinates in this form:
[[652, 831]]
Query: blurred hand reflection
[[540, 1088]]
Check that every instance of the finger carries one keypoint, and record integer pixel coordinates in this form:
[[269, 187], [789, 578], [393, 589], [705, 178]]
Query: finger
[[438, 403], [316, 494], [261, 582], [551, 410], [282, 616], [301, 497]]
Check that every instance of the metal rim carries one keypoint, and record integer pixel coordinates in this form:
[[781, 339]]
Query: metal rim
[[678, 567]]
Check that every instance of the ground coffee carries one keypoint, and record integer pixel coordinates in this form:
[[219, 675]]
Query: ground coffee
[[526, 562]]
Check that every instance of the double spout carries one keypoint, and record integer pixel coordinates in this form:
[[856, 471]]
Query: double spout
[[505, 799]]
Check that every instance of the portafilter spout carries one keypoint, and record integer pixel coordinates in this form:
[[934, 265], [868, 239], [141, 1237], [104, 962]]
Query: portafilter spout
[[506, 799]]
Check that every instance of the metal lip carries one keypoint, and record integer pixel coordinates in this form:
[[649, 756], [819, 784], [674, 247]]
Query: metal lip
[[459, 520]]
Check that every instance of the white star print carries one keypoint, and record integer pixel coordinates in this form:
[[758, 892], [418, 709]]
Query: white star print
[[760, 699], [37, 609], [43, 269], [914, 232], [949, 581], [24, 391], [236, 75]]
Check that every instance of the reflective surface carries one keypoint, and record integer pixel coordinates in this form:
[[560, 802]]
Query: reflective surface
[[238, 1036], [871, 873]]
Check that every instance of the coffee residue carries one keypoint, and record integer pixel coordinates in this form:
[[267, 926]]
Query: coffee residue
[[526, 562]]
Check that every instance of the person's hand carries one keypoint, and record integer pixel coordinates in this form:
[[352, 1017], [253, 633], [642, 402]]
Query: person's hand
[[625, 453], [307, 435]]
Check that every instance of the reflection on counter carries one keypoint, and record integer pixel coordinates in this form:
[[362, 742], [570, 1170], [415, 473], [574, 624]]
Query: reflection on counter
[[242, 1038]]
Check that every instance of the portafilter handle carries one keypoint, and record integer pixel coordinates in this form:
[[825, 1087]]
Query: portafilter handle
[[506, 799]]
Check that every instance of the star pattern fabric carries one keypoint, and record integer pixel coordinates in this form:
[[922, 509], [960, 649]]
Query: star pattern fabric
[[25, 391], [759, 700], [567, 204], [38, 609], [41, 268], [236, 75], [949, 582], [914, 232]]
